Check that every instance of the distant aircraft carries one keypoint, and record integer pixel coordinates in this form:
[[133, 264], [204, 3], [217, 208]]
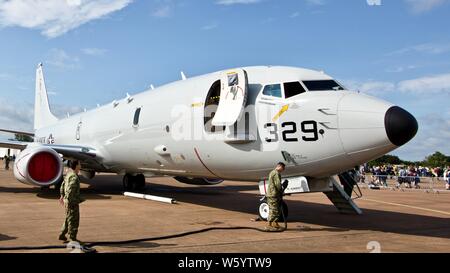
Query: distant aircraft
[[234, 124]]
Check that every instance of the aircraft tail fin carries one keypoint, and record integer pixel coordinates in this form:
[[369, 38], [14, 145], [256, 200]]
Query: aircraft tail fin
[[42, 114]]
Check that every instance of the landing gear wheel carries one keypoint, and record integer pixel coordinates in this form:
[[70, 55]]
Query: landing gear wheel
[[263, 210], [128, 182], [140, 182]]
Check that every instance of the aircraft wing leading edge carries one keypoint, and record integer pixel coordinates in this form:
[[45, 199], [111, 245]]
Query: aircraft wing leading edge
[[13, 144], [17, 132], [68, 151]]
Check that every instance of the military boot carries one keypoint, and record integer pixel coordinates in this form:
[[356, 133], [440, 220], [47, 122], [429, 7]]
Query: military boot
[[276, 225], [63, 238], [270, 227]]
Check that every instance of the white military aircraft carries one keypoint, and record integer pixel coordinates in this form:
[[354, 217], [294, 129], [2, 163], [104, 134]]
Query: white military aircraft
[[234, 124]]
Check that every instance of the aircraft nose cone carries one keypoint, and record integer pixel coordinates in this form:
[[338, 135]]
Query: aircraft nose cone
[[400, 125]]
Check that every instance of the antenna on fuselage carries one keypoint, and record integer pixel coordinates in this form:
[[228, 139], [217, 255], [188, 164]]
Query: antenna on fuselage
[[129, 98], [152, 87], [183, 76]]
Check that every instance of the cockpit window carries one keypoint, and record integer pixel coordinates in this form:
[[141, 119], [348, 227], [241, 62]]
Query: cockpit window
[[273, 90], [293, 89], [323, 85]]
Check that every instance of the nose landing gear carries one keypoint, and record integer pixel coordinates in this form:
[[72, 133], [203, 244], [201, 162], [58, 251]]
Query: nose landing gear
[[263, 210]]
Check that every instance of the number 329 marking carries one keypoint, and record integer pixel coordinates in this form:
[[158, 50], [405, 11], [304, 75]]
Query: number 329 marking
[[308, 128]]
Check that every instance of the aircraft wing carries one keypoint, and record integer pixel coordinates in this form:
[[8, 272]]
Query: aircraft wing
[[17, 132], [89, 156], [68, 151], [75, 152], [13, 144]]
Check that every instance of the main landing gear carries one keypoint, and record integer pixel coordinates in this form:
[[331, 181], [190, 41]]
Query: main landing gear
[[133, 182]]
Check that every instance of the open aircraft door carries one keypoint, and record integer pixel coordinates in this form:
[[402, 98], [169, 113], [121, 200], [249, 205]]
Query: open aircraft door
[[233, 97]]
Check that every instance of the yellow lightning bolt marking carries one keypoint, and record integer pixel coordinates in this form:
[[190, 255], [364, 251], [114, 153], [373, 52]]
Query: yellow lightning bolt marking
[[198, 104], [278, 115]]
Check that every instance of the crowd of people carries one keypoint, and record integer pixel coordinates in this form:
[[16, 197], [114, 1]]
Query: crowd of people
[[408, 175]]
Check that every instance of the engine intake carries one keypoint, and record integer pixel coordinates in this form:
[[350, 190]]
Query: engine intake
[[40, 166]]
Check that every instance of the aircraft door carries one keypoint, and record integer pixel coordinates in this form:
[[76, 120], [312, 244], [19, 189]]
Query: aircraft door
[[233, 97]]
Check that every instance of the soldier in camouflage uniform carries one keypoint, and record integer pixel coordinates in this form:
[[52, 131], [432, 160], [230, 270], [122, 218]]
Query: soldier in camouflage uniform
[[274, 195], [71, 199]]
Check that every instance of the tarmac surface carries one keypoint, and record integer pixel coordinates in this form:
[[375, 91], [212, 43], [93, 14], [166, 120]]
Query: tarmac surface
[[392, 220]]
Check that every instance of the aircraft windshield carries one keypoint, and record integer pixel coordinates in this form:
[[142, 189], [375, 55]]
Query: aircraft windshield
[[273, 90], [323, 85]]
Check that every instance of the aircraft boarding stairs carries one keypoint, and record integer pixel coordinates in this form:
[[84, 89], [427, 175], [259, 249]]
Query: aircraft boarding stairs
[[341, 196]]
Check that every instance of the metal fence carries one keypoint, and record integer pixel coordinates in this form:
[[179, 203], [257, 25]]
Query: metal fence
[[403, 183]]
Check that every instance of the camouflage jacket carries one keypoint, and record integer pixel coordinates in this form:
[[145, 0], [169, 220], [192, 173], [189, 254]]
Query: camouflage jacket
[[70, 189], [274, 188]]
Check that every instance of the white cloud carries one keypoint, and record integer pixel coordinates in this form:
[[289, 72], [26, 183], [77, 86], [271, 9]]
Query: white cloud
[[430, 84], [426, 48], [61, 59], [294, 15], [237, 2], [14, 116], [92, 51], [4, 76], [210, 26], [399, 69], [434, 84], [268, 20], [163, 11], [433, 135], [55, 17], [234, 2], [421, 6], [370, 86], [62, 110], [374, 86], [166, 8], [316, 2], [20, 116]]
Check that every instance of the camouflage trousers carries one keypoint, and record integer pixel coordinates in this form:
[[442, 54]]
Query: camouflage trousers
[[274, 209], [72, 222]]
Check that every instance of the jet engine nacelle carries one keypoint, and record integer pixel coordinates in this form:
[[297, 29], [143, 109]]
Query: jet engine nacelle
[[39, 166], [198, 181]]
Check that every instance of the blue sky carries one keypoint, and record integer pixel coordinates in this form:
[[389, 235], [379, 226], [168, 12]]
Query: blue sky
[[95, 51]]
